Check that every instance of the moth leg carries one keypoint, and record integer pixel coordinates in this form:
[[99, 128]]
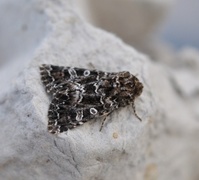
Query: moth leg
[[103, 121], [133, 105], [102, 125]]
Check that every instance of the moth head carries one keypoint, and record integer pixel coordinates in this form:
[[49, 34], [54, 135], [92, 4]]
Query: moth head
[[130, 84], [138, 87]]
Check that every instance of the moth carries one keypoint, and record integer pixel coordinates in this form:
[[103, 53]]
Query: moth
[[80, 95]]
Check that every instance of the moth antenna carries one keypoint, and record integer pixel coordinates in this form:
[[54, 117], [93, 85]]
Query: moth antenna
[[103, 121], [133, 105]]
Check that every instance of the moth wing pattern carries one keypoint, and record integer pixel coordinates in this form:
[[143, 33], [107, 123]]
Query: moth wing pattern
[[52, 76], [63, 117], [79, 95], [66, 111]]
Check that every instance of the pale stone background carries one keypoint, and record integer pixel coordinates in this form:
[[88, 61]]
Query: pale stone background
[[163, 146]]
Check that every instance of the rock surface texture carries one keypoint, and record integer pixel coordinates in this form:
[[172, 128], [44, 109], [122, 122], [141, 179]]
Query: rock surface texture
[[163, 146]]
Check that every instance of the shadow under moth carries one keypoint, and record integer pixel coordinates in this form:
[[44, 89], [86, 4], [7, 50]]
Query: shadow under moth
[[80, 95]]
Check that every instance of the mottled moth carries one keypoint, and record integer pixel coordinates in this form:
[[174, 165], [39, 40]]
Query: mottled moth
[[80, 95]]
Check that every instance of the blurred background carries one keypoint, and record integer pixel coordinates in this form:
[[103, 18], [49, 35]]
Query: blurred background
[[155, 27], [181, 27]]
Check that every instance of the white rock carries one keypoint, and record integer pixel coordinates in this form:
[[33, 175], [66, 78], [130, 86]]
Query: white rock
[[186, 82]]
